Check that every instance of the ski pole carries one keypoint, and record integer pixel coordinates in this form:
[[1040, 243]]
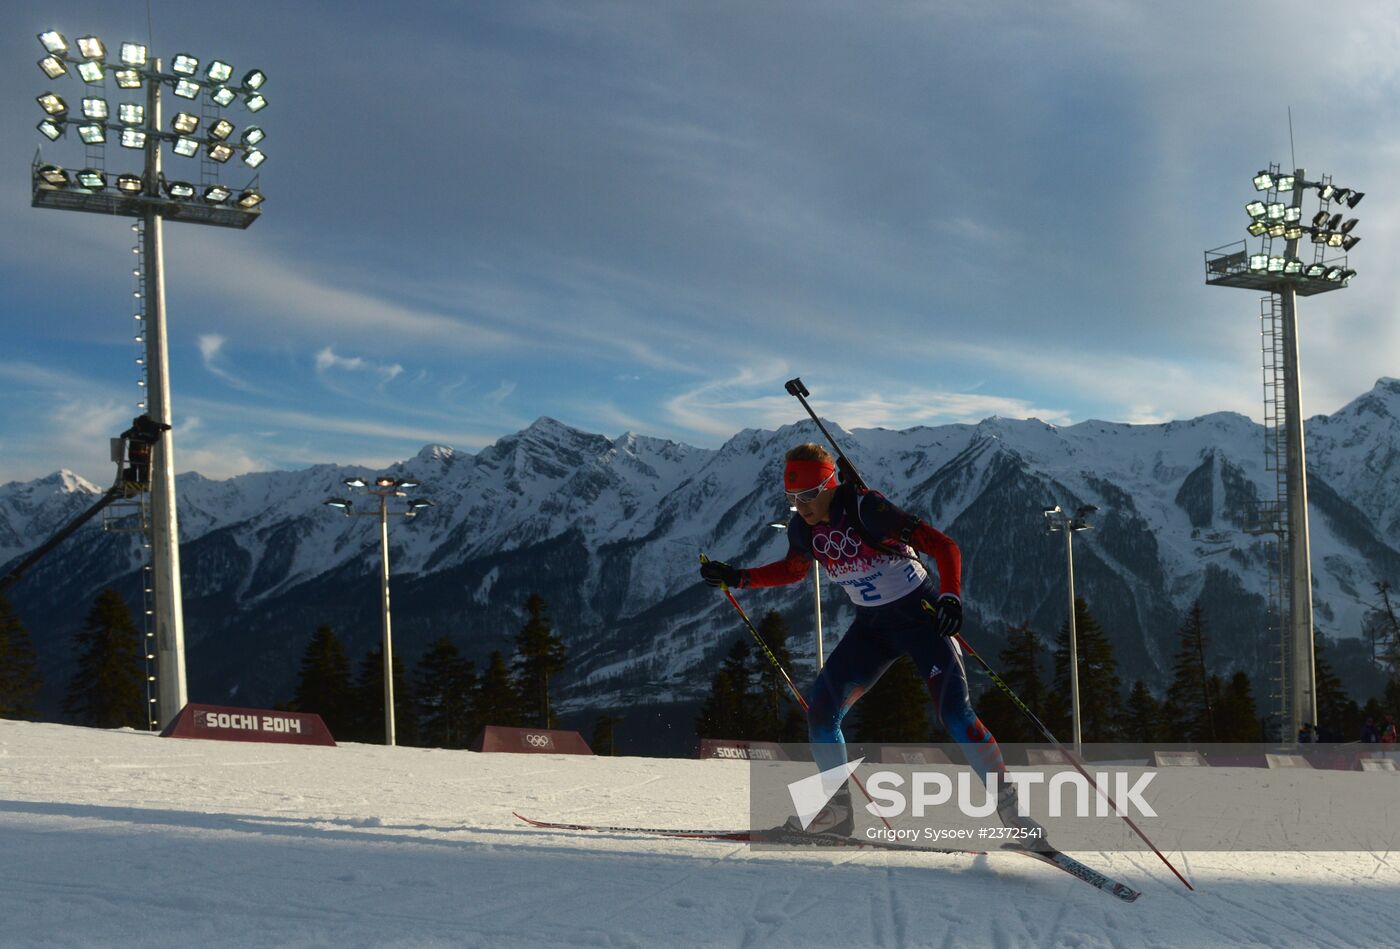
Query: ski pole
[[796, 388], [1010, 693], [796, 692]]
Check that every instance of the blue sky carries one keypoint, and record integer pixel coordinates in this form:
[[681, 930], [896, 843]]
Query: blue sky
[[646, 216]]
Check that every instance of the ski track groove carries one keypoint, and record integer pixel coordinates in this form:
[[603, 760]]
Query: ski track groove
[[899, 919]]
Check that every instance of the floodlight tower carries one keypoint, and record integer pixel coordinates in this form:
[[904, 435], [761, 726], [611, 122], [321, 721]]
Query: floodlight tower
[[1059, 520], [385, 487], [1285, 277], [149, 197]]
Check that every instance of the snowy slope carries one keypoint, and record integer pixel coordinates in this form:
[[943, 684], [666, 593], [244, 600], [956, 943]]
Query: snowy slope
[[125, 839]]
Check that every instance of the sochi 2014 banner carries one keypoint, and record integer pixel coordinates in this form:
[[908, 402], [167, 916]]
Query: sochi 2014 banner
[[221, 723]]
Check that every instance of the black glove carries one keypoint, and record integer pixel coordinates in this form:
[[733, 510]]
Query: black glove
[[715, 572], [947, 615]]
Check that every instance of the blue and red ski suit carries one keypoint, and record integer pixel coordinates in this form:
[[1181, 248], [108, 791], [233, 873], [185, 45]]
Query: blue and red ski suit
[[887, 583]]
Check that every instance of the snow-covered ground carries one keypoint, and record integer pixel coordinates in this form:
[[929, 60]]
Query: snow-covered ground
[[122, 838]]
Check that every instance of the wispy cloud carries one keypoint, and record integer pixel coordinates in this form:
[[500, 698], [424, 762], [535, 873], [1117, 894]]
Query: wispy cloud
[[327, 360], [211, 350]]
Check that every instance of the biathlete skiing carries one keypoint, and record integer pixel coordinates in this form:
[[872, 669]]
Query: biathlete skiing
[[870, 547]]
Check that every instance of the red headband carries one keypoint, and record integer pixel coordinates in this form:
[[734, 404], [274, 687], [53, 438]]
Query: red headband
[[804, 475]]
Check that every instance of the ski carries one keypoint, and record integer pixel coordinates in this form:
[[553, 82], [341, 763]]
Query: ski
[[1052, 857], [774, 835], [1079, 871], [701, 834]]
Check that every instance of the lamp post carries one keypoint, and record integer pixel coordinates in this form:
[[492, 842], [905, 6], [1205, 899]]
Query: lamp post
[[384, 488], [1058, 520], [146, 194], [816, 598], [1285, 277]]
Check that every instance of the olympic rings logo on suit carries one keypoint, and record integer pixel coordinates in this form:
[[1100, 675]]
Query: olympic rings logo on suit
[[836, 545], [538, 741]]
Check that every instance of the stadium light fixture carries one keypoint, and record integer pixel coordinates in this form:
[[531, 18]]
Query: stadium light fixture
[[253, 158], [52, 103], [91, 48], [385, 487], [143, 192], [221, 129], [54, 175], [54, 42], [1286, 275], [255, 102], [252, 135]]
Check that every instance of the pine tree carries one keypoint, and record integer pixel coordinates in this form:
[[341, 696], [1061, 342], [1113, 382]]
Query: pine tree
[[1100, 693], [895, 709], [1237, 717], [1142, 720], [324, 687], [106, 691], [539, 655], [496, 701], [776, 716], [1020, 669], [1188, 714], [369, 702], [728, 711], [1338, 714], [19, 673], [604, 741], [444, 683]]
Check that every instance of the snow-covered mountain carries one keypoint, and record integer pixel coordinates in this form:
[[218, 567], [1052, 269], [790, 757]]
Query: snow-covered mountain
[[608, 531]]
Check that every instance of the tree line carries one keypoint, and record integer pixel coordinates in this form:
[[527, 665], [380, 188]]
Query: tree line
[[444, 704], [747, 701], [447, 701]]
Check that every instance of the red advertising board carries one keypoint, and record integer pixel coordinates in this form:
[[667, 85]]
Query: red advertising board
[[222, 723], [531, 741]]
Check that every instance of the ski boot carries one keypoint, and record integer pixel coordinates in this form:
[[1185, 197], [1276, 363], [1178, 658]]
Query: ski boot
[[1031, 835], [836, 820]]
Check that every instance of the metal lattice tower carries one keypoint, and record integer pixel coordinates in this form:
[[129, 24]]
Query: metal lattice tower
[[1286, 276]]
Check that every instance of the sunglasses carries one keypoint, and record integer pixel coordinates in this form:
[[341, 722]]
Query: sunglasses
[[810, 495]]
